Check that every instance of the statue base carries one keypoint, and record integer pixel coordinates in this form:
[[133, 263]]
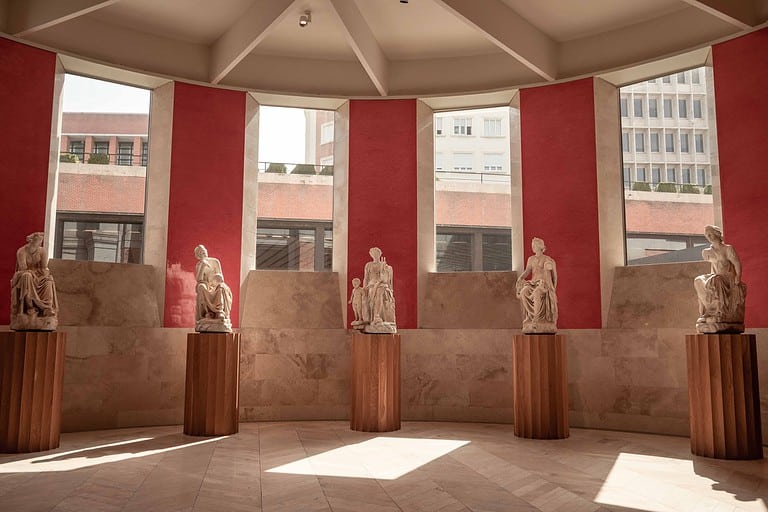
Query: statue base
[[24, 322], [382, 328], [712, 326], [211, 398], [31, 377], [539, 373], [723, 396], [213, 325], [539, 328], [375, 382]]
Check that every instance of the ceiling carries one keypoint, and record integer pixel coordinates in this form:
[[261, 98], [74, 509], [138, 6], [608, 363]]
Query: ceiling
[[365, 48]]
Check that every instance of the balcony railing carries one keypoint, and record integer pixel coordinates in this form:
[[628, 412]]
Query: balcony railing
[[472, 176], [669, 188], [103, 158], [297, 169]]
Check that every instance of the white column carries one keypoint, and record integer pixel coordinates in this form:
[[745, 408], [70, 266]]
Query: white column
[[341, 200], [516, 185], [250, 195], [425, 198], [53, 160]]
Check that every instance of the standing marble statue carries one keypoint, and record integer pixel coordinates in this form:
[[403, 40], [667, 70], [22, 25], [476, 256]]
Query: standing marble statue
[[34, 305], [721, 293], [214, 298], [376, 297], [538, 299]]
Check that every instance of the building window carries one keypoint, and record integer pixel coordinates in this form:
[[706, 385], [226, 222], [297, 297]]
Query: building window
[[695, 76], [467, 249], [684, 143], [671, 175], [699, 141], [625, 142], [687, 175], [462, 126], [326, 133], [655, 142], [108, 238], [667, 108], [682, 108], [669, 142], [666, 79], [462, 162], [697, 109], [627, 177], [637, 106], [492, 128], [701, 177], [653, 107], [681, 78], [640, 174], [438, 125], [652, 81], [439, 158], [125, 153], [77, 148], [294, 245], [101, 147], [623, 107], [493, 162], [639, 142], [655, 175], [144, 153]]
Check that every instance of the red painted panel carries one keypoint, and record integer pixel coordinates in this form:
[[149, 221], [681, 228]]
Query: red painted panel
[[382, 195], [206, 193], [559, 182], [741, 79], [27, 76]]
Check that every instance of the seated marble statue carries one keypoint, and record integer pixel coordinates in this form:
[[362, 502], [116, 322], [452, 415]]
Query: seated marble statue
[[721, 293], [378, 311], [214, 298], [538, 299], [34, 306]]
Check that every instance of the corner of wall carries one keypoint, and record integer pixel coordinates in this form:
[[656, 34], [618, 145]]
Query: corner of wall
[[516, 184], [425, 190], [250, 195], [341, 200], [53, 159]]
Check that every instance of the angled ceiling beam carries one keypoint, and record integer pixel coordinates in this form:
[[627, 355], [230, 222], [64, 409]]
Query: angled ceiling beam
[[498, 23], [27, 16], [739, 13], [365, 46], [245, 34]]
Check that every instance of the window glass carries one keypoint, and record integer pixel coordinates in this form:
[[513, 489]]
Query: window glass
[[492, 127], [638, 107], [653, 107], [639, 142], [655, 142]]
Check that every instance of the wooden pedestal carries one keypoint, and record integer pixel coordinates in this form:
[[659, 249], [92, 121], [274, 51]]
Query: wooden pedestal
[[211, 401], [540, 379], [375, 382], [723, 396], [31, 374]]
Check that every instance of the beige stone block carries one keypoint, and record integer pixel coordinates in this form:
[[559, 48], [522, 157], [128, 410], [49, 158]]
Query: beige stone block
[[295, 341], [305, 300], [630, 342], [334, 392], [470, 300], [105, 294], [583, 342], [484, 367], [642, 371], [491, 394]]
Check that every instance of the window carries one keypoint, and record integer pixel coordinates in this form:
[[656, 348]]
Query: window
[[701, 177], [294, 245], [625, 142], [439, 158], [681, 78], [684, 143], [462, 162], [77, 148], [639, 142], [438, 125], [656, 175], [99, 237], [669, 142], [492, 127], [686, 175], [671, 175], [655, 142], [466, 249], [623, 107], [493, 162], [637, 106], [652, 81], [462, 126], [695, 76], [682, 108], [144, 153], [667, 108], [101, 147], [640, 173], [125, 153], [627, 177], [697, 109], [326, 133], [653, 107], [699, 141], [666, 79]]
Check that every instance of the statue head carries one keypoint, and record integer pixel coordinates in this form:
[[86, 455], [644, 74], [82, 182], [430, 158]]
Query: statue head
[[538, 243], [356, 282], [36, 238], [375, 253], [201, 252], [713, 233]]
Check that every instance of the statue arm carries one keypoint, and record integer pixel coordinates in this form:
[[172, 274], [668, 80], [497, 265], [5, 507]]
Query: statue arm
[[21, 260], [527, 270], [554, 274], [734, 259]]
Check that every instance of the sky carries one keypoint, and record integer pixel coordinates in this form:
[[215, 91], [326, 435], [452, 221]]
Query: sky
[[281, 130]]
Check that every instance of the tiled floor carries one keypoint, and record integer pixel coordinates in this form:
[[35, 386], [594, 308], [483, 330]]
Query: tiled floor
[[322, 466]]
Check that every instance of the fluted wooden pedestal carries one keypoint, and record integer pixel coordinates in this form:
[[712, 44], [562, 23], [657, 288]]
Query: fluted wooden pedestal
[[375, 382], [211, 401], [31, 374], [541, 386], [723, 396]]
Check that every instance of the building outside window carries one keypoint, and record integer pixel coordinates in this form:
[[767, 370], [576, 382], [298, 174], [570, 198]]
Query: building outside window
[[463, 162], [144, 153], [638, 107], [653, 106], [699, 141], [438, 126], [669, 142], [671, 175], [439, 158], [493, 162], [640, 173], [492, 128], [682, 108], [625, 141], [697, 109], [701, 177], [667, 102], [125, 153], [462, 126], [326, 133], [686, 175], [655, 142], [681, 78], [639, 142], [101, 147], [77, 148], [623, 106], [684, 143], [656, 175]]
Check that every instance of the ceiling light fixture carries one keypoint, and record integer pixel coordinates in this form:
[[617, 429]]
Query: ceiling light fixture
[[305, 18]]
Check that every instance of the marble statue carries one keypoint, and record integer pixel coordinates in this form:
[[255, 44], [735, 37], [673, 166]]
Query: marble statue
[[538, 299], [356, 299], [214, 298], [376, 297], [721, 293], [34, 306]]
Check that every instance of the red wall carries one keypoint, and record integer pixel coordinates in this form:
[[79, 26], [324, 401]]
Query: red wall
[[741, 82], [559, 182], [206, 193], [382, 195], [27, 77]]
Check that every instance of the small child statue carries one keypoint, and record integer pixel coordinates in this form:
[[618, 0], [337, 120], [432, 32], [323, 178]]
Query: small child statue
[[357, 303]]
